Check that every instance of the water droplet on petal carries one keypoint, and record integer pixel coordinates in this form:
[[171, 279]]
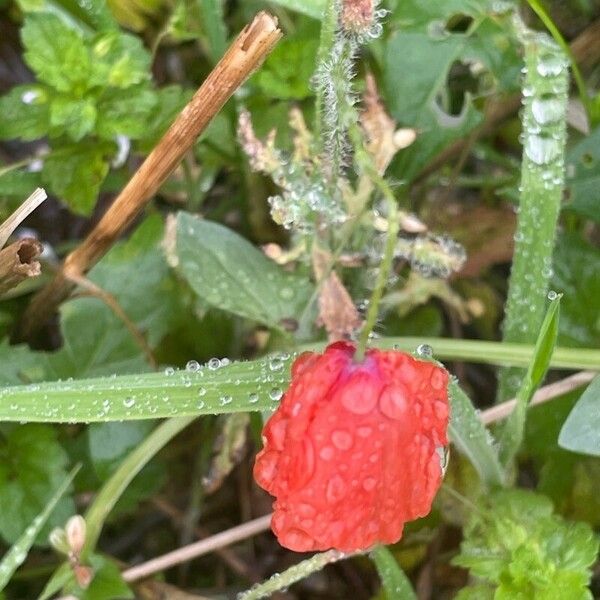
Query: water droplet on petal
[[342, 440], [326, 453], [393, 402], [369, 484], [336, 490]]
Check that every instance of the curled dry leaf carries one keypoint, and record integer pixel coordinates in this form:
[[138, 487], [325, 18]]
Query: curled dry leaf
[[337, 311], [383, 139]]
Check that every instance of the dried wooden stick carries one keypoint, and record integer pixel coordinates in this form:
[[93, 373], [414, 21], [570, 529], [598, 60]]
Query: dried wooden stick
[[18, 262], [7, 227], [243, 57]]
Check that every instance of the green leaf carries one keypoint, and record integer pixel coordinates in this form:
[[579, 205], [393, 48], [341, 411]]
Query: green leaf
[[512, 433], [107, 583], [393, 579], [24, 113], [229, 273], [87, 13], [75, 173], [472, 439], [72, 116], [126, 112], [287, 71], [15, 557], [576, 268], [18, 183], [581, 431], [312, 8], [56, 52], [120, 60], [417, 66], [213, 20], [19, 364], [583, 176], [32, 466], [517, 544]]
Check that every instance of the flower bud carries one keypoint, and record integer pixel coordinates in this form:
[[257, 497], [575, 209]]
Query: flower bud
[[75, 533]]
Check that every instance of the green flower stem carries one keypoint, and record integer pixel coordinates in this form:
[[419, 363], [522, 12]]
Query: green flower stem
[[293, 574], [384, 267], [113, 489], [329, 27]]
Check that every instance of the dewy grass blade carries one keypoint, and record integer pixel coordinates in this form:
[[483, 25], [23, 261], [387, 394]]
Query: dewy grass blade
[[513, 430], [228, 388], [545, 90]]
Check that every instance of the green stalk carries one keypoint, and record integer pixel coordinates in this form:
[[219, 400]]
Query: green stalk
[[329, 27], [542, 13], [112, 490], [283, 580], [542, 180]]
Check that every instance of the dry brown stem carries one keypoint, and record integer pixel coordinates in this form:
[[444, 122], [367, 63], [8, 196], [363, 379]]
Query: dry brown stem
[[243, 57], [18, 262]]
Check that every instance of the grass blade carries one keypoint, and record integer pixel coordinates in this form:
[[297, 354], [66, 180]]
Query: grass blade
[[512, 432], [393, 579], [17, 554], [472, 439]]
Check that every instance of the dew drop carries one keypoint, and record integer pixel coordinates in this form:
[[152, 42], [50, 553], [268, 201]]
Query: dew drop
[[425, 350], [276, 364], [326, 453], [201, 391], [192, 366], [369, 484], [169, 371], [552, 295], [214, 364], [253, 397], [336, 490], [275, 394], [341, 439], [128, 402]]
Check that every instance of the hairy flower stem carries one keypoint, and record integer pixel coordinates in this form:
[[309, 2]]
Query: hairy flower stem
[[328, 30], [390, 244], [280, 581]]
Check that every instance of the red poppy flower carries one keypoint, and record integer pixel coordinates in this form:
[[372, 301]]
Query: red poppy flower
[[351, 454]]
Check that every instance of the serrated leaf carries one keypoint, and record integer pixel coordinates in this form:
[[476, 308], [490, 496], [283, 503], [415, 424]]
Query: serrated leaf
[[517, 544], [120, 60], [229, 273], [75, 174], [581, 430], [74, 117], [16, 555], [472, 439], [32, 467], [393, 579], [18, 183], [126, 112], [56, 52], [24, 113]]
